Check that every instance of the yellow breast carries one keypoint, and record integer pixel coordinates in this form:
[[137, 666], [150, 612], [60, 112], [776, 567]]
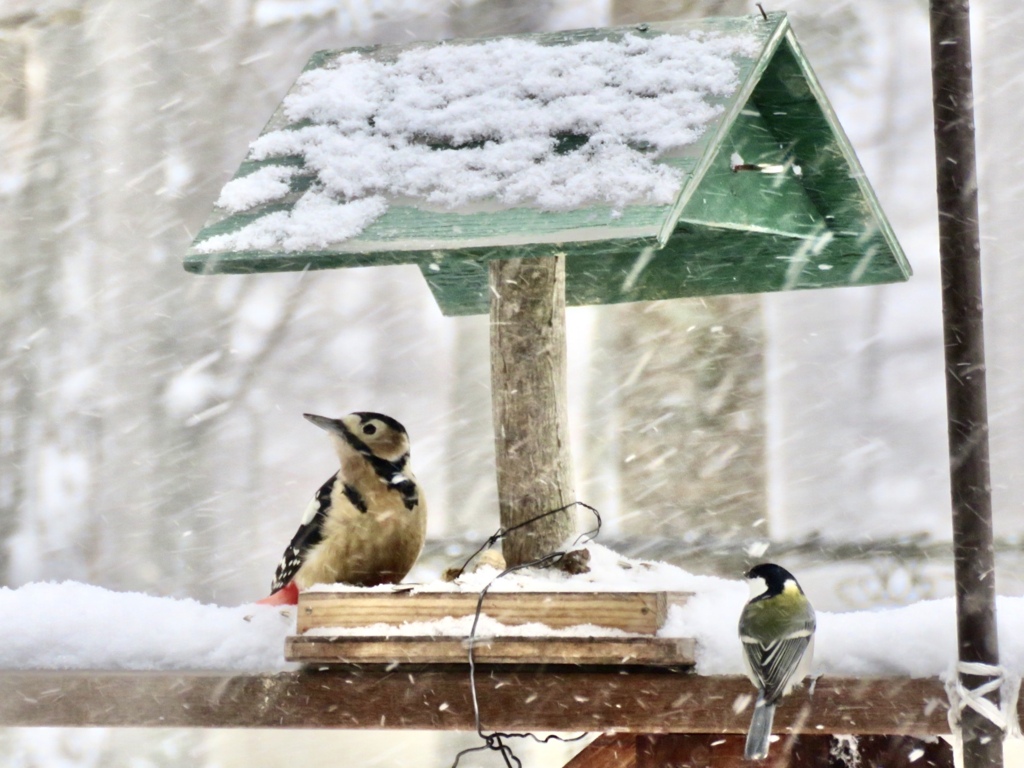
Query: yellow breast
[[378, 546]]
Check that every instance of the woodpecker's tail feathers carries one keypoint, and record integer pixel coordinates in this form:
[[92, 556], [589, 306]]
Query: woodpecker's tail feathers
[[286, 595], [760, 729]]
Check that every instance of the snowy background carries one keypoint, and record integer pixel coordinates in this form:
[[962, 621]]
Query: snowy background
[[150, 432]]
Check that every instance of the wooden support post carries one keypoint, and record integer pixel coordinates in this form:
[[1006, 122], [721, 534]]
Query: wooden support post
[[609, 750], [712, 750], [522, 698], [899, 751], [704, 750], [960, 255], [528, 392]]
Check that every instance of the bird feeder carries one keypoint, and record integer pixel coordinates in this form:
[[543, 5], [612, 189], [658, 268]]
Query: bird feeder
[[521, 174], [762, 192]]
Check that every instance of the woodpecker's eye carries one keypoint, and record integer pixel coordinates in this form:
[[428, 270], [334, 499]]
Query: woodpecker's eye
[[369, 429]]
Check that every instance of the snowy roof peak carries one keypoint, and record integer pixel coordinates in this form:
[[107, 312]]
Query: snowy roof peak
[[664, 160]]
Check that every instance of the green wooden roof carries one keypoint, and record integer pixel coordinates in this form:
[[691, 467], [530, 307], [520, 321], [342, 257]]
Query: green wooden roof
[[770, 193]]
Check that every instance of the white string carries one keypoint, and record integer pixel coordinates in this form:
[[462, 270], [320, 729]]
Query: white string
[[1003, 716]]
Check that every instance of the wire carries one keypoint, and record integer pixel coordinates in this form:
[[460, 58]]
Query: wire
[[502, 532], [495, 741]]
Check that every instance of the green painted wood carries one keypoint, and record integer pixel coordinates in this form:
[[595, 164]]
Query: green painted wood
[[751, 198], [698, 261], [798, 213], [408, 235], [740, 231]]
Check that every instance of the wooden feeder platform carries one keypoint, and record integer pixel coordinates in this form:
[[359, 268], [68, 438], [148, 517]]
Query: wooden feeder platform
[[640, 614], [437, 697], [650, 717]]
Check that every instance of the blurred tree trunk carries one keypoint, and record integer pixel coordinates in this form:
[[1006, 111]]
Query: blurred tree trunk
[[634, 11], [158, 454], [687, 381], [483, 18], [17, 380], [858, 426], [472, 492], [1000, 111], [49, 437], [690, 398]]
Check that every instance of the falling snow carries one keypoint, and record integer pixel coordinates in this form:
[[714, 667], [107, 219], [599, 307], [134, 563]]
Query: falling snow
[[151, 442]]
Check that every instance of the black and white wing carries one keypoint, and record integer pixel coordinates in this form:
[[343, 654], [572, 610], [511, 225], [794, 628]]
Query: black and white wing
[[775, 663], [310, 533]]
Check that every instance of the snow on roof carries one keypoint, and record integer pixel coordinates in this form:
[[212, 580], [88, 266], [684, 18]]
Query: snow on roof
[[506, 122], [78, 626]]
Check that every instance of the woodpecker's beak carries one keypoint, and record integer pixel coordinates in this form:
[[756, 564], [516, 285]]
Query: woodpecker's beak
[[334, 426]]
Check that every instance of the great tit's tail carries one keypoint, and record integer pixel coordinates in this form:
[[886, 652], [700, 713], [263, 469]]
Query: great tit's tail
[[760, 729]]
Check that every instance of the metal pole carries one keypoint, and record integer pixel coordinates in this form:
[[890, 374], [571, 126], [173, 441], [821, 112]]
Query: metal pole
[[960, 255]]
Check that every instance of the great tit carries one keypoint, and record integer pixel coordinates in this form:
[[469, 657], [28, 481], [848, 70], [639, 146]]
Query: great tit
[[777, 632]]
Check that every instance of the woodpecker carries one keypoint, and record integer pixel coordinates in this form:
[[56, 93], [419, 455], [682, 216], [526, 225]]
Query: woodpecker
[[366, 524]]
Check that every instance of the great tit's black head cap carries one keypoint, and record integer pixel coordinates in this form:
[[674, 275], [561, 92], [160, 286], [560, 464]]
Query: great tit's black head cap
[[775, 576]]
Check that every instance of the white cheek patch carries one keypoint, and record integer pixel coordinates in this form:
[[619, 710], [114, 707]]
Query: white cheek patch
[[758, 586]]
